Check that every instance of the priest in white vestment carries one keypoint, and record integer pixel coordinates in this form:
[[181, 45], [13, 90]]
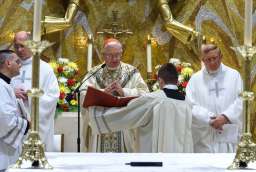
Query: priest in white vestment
[[116, 78], [48, 83], [163, 118], [216, 105], [13, 126]]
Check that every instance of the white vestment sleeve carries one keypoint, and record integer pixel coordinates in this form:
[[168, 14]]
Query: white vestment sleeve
[[201, 115], [139, 86], [137, 113], [234, 111], [12, 125], [51, 92], [47, 107]]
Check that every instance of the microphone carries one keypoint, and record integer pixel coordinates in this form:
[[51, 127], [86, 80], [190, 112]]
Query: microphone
[[70, 95]]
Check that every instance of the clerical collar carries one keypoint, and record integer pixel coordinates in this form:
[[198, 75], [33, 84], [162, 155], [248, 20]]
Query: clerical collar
[[171, 87], [27, 61], [5, 78]]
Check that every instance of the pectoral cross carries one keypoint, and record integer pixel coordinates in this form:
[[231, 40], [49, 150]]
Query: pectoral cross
[[216, 89], [116, 29]]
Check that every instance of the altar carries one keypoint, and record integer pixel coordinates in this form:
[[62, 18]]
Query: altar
[[69, 133], [106, 162]]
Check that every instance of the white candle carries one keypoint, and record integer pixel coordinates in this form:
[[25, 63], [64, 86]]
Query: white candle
[[37, 20], [248, 23], [89, 53], [149, 55]]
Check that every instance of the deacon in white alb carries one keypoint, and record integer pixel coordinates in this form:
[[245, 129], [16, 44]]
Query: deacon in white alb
[[217, 108], [13, 126], [48, 83], [163, 118]]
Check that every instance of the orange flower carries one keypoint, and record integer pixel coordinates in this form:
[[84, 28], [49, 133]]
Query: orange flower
[[184, 84], [178, 68]]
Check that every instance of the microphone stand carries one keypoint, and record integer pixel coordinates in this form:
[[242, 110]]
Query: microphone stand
[[78, 122], [78, 92]]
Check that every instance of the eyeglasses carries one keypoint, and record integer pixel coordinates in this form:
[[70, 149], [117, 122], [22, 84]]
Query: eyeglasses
[[17, 46], [211, 59], [112, 55]]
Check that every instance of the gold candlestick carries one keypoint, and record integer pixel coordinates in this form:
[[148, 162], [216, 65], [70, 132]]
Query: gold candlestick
[[246, 150], [33, 148]]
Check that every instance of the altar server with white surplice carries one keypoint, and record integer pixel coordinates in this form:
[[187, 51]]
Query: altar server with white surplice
[[163, 118], [13, 125]]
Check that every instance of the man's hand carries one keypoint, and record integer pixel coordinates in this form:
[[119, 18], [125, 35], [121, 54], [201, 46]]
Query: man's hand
[[114, 87], [118, 88], [109, 89], [218, 122], [21, 93]]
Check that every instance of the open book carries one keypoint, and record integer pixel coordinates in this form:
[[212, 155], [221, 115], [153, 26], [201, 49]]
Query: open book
[[95, 97], [23, 110]]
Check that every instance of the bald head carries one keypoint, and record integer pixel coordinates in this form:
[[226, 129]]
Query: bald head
[[112, 52], [22, 51], [21, 36], [112, 43]]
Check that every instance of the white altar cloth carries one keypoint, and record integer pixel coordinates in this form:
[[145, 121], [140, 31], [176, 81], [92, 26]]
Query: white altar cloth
[[115, 162]]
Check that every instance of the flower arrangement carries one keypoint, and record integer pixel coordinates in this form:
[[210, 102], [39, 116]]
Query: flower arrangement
[[185, 72], [66, 73]]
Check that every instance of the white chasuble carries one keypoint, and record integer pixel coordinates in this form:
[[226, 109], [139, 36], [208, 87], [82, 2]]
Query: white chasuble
[[164, 124], [47, 103], [12, 126], [133, 85], [211, 95]]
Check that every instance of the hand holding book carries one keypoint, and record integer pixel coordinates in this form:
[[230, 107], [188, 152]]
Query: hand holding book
[[95, 97]]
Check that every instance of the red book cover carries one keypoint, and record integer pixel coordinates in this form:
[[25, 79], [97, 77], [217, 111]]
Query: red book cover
[[95, 97]]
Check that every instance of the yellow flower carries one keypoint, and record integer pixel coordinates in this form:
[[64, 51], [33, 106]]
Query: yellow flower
[[187, 71], [73, 65], [73, 102], [64, 89]]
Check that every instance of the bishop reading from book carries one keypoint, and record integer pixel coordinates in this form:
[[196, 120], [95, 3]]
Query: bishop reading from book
[[119, 79]]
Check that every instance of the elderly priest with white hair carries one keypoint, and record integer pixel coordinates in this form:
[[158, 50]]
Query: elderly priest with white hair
[[119, 79], [13, 125], [216, 105], [163, 118]]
